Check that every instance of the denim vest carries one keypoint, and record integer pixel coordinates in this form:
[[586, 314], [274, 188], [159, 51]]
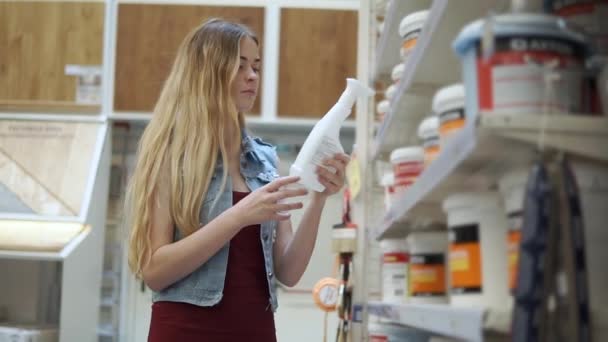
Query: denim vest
[[204, 286]]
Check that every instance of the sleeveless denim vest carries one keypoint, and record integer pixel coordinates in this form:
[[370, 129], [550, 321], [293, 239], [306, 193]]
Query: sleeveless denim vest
[[204, 286]]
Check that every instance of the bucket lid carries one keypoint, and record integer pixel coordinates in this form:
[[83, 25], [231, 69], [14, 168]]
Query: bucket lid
[[383, 106], [404, 154], [390, 92], [514, 178], [397, 72], [393, 245], [505, 25], [388, 179], [447, 94], [429, 127], [471, 200], [412, 22]]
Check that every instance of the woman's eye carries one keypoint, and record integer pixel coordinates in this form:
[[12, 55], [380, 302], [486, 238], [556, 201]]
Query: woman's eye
[[256, 70]]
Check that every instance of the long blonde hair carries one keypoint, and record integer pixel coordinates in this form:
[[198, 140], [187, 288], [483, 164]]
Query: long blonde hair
[[192, 118]]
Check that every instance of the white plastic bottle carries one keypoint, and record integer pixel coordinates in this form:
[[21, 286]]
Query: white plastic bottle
[[324, 139]]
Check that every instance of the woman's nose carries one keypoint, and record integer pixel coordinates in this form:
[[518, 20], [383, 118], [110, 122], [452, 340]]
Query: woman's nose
[[252, 75]]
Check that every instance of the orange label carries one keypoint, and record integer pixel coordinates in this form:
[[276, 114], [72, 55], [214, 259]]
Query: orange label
[[409, 44], [427, 275], [450, 126], [465, 259], [513, 241], [430, 153], [465, 266]]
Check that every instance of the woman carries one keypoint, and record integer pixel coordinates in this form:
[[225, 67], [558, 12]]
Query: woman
[[210, 234]]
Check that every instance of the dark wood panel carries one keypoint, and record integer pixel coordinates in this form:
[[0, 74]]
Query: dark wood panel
[[37, 41], [148, 39], [318, 52]]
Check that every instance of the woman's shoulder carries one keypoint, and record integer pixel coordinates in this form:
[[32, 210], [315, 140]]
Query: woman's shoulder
[[266, 149]]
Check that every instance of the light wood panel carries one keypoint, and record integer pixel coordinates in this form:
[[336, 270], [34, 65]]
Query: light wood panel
[[148, 38], [47, 164], [318, 52], [37, 41]]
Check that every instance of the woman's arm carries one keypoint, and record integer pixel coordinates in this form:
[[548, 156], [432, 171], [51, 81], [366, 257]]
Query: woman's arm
[[292, 252], [171, 261]]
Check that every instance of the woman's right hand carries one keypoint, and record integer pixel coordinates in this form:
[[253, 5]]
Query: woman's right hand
[[264, 204]]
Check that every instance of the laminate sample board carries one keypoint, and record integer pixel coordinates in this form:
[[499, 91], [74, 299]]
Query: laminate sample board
[[37, 41], [148, 38], [318, 52], [46, 165]]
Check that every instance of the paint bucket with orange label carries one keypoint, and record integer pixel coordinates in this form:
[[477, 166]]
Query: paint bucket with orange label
[[409, 30], [448, 104], [512, 186], [477, 250], [428, 278]]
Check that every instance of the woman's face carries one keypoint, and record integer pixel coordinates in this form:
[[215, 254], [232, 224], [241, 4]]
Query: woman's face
[[247, 81]]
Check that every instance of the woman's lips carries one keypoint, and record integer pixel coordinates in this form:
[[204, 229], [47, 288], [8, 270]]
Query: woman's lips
[[249, 92]]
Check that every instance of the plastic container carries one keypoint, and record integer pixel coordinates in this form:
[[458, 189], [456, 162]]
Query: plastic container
[[593, 188], [395, 264], [449, 105], [408, 164], [512, 187], [589, 15], [511, 79], [390, 92], [428, 131], [388, 182], [478, 250], [324, 139], [382, 108], [409, 30], [428, 270], [397, 72]]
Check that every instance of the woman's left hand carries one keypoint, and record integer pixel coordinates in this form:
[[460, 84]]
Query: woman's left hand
[[332, 181]]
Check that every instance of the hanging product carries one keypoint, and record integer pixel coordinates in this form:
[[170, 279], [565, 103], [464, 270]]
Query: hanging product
[[410, 29], [530, 280], [602, 87], [427, 267], [428, 131], [511, 78], [551, 299], [513, 187], [589, 15], [448, 105], [477, 250], [408, 164], [395, 264]]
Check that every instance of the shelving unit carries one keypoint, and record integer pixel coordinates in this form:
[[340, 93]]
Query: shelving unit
[[478, 156], [474, 159]]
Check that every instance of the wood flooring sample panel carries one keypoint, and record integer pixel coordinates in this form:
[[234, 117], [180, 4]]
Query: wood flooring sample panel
[[37, 41], [318, 53], [47, 165], [148, 38]]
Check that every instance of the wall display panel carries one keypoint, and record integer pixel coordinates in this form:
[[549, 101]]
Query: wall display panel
[[318, 52], [51, 56], [45, 166], [148, 38]]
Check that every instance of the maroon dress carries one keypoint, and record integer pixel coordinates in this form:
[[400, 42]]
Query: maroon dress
[[243, 314]]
